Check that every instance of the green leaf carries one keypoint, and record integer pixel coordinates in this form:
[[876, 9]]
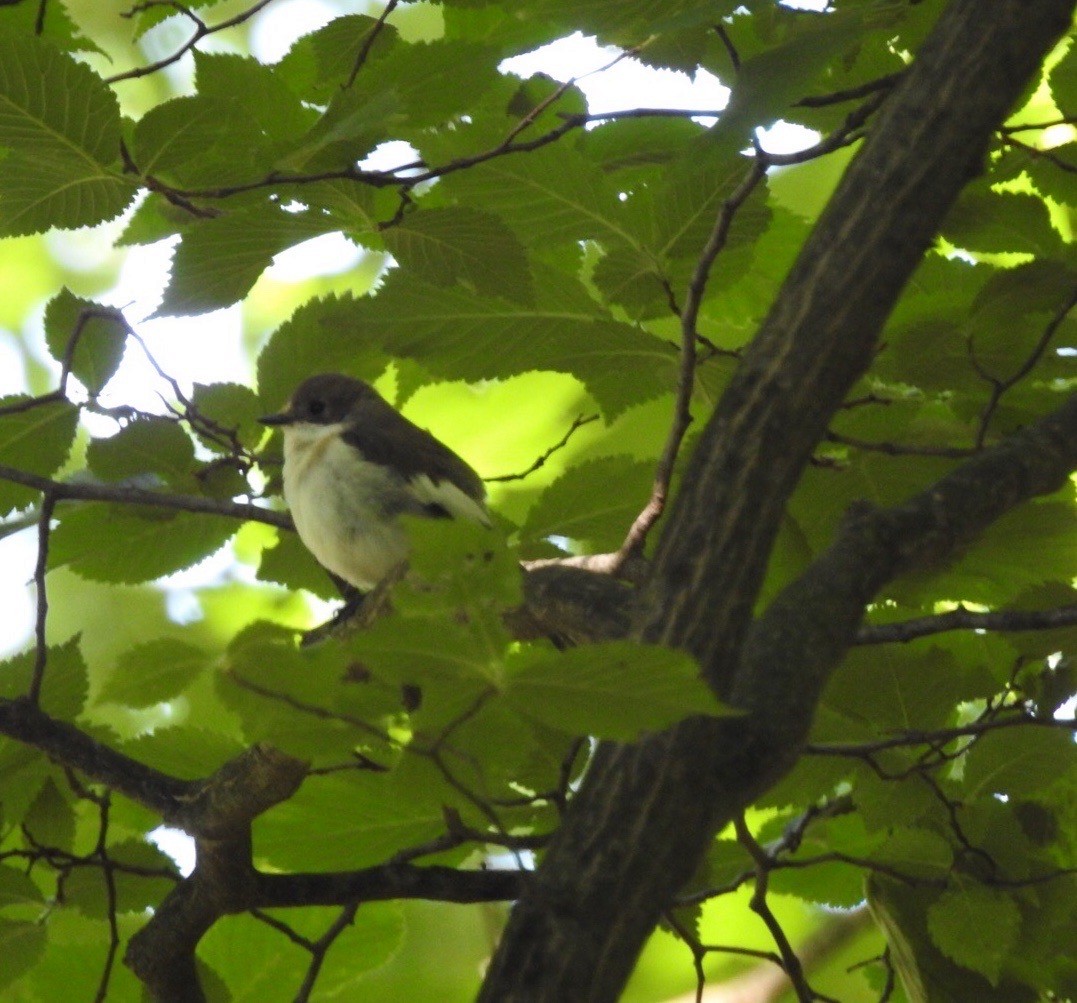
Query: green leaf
[[460, 244], [58, 168], [22, 945], [154, 672], [187, 752], [20, 898], [102, 335], [50, 818], [617, 690], [1001, 221], [107, 543], [918, 853], [35, 441], [309, 342], [146, 446], [458, 334], [85, 886], [64, 683], [548, 196], [218, 260], [185, 142], [232, 407], [975, 926], [318, 63], [1019, 761], [361, 820], [593, 503]]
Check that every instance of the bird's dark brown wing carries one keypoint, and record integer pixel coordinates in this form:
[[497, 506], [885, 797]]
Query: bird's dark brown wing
[[386, 437]]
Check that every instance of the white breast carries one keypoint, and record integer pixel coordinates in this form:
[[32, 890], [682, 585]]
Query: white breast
[[338, 504]]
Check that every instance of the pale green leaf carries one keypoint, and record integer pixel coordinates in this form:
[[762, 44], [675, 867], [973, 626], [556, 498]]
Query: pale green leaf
[[118, 544], [153, 672], [617, 690]]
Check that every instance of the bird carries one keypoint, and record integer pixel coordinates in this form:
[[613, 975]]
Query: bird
[[353, 466]]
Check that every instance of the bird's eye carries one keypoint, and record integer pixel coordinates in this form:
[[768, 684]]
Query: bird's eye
[[315, 408]]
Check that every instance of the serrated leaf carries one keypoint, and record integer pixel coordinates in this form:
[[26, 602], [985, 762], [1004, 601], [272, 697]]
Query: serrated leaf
[[36, 441], [996, 222], [154, 672], [361, 820], [232, 407], [594, 502], [201, 141], [57, 170], [617, 690], [307, 343], [50, 818], [1019, 761], [318, 63], [102, 335], [218, 260], [64, 683], [547, 196], [146, 446], [114, 544], [975, 926], [22, 945], [460, 244], [458, 334]]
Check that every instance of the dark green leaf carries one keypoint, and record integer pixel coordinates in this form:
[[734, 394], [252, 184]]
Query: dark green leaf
[[459, 244], [219, 259], [975, 926], [148, 446], [58, 170], [36, 441], [593, 503], [102, 335]]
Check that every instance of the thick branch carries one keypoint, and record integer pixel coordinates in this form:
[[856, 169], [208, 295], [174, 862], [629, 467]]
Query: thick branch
[[645, 814]]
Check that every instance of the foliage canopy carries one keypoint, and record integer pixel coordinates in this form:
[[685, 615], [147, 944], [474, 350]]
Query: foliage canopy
[[557, 293]]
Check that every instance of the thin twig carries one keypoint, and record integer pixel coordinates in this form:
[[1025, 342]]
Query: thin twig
[[966, 619], [125, 495], [901, 449], [578, 422], [321, 947], [884, 83], [1000, 387], [200, 32], [44, 527], [682, 417], [368, 42]]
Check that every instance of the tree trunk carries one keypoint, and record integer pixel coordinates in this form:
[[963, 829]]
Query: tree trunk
[[646, 813]]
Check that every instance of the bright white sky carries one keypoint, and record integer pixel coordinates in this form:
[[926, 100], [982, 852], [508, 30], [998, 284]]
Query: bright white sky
[[209, 348]]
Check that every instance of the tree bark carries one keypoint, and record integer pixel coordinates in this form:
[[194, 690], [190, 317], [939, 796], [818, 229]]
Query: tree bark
[[646, 813]]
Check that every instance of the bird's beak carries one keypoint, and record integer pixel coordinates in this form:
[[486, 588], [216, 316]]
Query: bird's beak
[[280, 418]]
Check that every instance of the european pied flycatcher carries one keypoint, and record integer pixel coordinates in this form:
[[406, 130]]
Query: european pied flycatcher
[[353, 465]]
